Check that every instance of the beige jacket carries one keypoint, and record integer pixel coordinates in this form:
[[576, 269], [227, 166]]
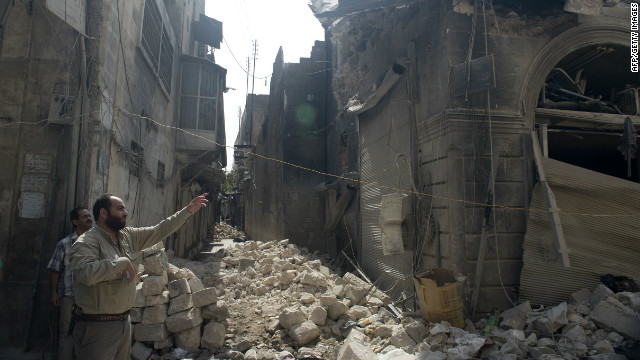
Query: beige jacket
[[98, 264]]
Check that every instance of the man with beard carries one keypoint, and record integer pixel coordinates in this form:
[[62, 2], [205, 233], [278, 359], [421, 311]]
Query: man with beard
[[102, 261], [62, 279]]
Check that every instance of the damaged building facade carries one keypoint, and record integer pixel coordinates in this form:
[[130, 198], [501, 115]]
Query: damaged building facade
[[484, 137], [100, 96]]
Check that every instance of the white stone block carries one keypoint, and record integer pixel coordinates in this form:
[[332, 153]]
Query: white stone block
[[291, 316], [153, 285], [156, 264], [180, 303], [217, 312], [304, 333], [195, 284], [318, 315], [178, 287], [184, 320], [612, 315], [163, 344], [213, 336], [204, 297], [154, 314], [188, 339], [156, 332], [140, 352], [153, 300]]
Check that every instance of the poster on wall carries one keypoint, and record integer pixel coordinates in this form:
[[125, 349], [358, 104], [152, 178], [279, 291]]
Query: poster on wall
[[70, 11], [31, 205]]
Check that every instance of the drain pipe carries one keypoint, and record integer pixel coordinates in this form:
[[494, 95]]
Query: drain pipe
[[27, 340]]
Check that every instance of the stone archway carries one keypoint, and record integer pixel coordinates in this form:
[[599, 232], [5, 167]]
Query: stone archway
[[562, 45]]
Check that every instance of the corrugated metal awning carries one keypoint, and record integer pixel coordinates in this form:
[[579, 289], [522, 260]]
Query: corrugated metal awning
[[600, 217]]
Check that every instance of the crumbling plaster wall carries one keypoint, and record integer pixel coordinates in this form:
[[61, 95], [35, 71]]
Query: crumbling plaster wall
[[38, 58], [127, 86]]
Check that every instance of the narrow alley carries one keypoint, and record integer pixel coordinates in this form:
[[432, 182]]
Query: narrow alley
[[429, 180]]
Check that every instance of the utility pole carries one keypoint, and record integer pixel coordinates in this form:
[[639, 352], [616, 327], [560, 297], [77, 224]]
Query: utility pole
[[253, 83], [248, 72]]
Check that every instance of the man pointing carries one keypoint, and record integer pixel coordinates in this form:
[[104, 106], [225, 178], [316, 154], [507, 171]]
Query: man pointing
[[102, 260]]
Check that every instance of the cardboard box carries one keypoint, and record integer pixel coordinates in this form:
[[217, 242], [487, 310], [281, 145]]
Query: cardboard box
[[440, 296]]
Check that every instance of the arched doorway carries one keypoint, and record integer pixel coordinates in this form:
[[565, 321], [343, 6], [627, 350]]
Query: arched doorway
[[578, 93]]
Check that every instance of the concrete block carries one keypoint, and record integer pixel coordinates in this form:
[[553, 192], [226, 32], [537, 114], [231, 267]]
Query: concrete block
[[603, 347], [337, 309], [154, 285], [195, 284], [156, 332], [632, 300], [307, 298], [400, 338], [314, 278], [184, 320], [140, 352], [204, 297], [304, 333], [178, 287], [188, 339], [156, 264], [580, 296], [163, 344], [162, 298], [356, 347], [213, 336], [180, 303], [318, 315], [154, 314], [136, 314], [328, 299], [600, 293], [216, 312], [291, 316], [153, 250], [359, 312], [612, 315], [515, 318], [416, 331], [180, 273]]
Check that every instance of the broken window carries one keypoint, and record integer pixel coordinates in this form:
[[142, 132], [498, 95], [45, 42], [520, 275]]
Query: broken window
[[156, 44], [200, 96], [582, 109]]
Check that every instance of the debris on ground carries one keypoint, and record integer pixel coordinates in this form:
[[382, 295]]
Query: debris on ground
[[273, 300], [223, 230]]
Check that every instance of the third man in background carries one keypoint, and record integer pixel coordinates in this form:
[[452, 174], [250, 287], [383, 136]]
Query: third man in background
[[62, 279]]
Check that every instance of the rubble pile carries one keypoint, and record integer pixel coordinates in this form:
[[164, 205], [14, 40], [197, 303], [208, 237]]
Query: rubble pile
[[170, 306], [225, 231], [274, 300]]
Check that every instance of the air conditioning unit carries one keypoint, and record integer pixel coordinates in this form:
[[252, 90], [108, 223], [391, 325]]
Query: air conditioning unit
[[61, 110]]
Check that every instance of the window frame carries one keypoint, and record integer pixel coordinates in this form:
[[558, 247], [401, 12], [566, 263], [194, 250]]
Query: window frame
[[164, 41], [217, 98]]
